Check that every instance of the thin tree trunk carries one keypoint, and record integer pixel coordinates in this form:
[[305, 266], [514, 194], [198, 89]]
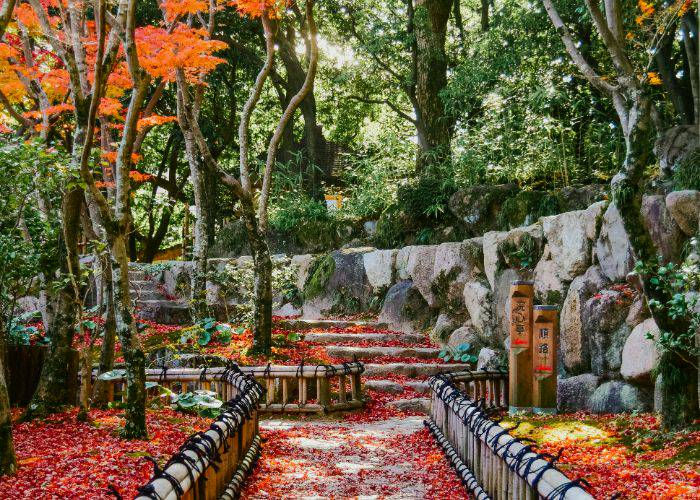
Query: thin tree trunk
[[262, 287], [8, 463], [101, 390], [135, 359], [52, 393]]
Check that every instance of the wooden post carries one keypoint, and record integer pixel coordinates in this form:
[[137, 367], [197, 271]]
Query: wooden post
[[544, 359], [520, 356]]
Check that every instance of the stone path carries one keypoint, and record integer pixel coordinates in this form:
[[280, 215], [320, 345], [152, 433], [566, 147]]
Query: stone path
[[382, 451]]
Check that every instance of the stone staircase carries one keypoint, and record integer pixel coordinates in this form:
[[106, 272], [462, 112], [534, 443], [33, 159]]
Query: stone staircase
[[382, 351], [152, 305]]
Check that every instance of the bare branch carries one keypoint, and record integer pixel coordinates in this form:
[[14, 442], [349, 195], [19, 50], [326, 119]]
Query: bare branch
[[584, 67], [244, 126], [386, 102]]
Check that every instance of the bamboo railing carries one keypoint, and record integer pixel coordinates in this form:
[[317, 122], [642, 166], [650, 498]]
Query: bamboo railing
[[491, 462], [305, 388], [214, 463]]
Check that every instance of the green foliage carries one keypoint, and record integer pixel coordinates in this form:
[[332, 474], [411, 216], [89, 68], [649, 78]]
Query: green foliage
[[521, 253], [526, 207], [204, 403], [460, 354], [205, 331], [679, 285], [320, 273], [31, 176], [687, 174]]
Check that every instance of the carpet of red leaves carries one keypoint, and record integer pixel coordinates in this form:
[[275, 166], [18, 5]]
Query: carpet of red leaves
[[62, 458], [627, 455], [346, 462]]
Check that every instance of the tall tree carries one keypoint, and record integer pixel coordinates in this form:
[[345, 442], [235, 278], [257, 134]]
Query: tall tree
[[628, 88]]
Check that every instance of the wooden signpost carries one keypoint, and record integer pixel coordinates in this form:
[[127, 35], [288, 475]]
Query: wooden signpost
[[544, 359], [520, 356]]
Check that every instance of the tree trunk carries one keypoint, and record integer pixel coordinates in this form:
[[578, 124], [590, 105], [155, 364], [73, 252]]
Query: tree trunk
[[51, 394], [200, 248], [134, 358], [262, 288], [296, 75], [679, 377], [430, 25], [101, 390], [8, 463]]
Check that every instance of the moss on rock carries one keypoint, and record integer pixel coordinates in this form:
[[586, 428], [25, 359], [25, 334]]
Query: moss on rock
[[320, 274]]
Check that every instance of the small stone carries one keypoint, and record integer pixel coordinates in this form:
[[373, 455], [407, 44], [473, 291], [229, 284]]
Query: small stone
[[489, 360]]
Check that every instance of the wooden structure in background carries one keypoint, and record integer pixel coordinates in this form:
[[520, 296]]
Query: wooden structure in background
[[293, 389], [520, 355], [24, 363]]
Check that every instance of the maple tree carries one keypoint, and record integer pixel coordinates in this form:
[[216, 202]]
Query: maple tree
[[255, 218]]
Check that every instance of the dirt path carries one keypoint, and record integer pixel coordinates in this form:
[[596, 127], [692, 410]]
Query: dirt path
[[382, 451]]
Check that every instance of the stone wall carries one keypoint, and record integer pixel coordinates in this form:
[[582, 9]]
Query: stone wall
[[579, 260]]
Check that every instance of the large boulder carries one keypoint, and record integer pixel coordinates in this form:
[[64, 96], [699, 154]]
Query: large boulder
[[574, 346], [404, 308], [684, 207], [676, 144], [665, 232], [477, 207], [444, 326], [618, 397], [465, 335], [454, 264], [613, 248], [337, 284], [567, 235], [303, 264], [479, 305], [520, 249], [640, 355], [574, 393], [379, 268], [550, 287], [606, 330], [176, 278], [419, 267]]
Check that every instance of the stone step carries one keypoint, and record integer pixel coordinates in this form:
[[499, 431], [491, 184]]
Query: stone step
[[331, 337], [388, 386], [163, 311], [413, 370], [143, 285], [304, 324], [348, 352], [146, 295], [419, 386], [419, 405], [137, 275]]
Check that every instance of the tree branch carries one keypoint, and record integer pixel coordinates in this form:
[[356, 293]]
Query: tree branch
[[584, 67], [294, 103]]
